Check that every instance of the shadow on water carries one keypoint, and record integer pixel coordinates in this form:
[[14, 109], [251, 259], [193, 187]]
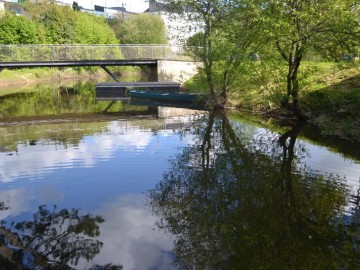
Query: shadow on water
[[346, 147], [54, 239], [233, 201]]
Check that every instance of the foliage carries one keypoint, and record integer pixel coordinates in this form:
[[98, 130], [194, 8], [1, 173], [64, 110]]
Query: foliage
[[75, 6], [197, 83], [58, 22], [143, 29], [194, 45], [294, 30], [115, 24], [334, 106], [295, 27], [63, 25], [91, 29], [18, 30], [227, 38]]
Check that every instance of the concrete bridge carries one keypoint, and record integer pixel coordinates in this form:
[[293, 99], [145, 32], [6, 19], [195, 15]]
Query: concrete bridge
[[168, 63]]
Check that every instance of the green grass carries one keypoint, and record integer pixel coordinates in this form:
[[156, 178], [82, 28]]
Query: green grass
[[329, 92], [26, 74], [333, 101]]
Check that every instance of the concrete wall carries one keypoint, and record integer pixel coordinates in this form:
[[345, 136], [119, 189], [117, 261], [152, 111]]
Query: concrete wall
[[176, 71]]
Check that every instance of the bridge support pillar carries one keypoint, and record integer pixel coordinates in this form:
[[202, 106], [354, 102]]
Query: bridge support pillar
[[109, 72], [1, 69], [176, 71]]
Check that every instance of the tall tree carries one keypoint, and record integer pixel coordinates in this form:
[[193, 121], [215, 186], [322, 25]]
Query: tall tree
[[142, 29], [295, 26], [227, 39]]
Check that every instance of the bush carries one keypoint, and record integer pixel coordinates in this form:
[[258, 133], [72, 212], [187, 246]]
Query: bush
[[18, 30]]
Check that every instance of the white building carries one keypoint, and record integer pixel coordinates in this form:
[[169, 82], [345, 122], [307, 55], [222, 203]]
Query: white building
[[179, 27], [10, 5]]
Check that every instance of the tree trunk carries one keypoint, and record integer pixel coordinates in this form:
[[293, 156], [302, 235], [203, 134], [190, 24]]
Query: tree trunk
[[292, 101]]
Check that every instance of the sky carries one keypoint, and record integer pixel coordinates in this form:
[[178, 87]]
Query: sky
[[130, 5]]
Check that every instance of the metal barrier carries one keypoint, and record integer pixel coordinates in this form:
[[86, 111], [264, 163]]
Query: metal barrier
[[45, 53]]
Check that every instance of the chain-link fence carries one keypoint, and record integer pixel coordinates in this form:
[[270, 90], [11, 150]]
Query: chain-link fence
[[45, 53]]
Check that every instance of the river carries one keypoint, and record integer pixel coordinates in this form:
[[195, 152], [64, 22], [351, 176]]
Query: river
[[168, 188]]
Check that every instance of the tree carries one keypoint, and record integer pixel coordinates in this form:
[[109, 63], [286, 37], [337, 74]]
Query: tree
[[91, 29], [63, 25], [227, 39], [18, 30], [75, 6], [142, 29], [57, 21], [295, 26]]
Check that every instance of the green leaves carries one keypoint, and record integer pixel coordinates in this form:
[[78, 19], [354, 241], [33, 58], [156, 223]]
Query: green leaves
[[90, 29], [54, 24], [143, 29], [228, 36], [18, 30]]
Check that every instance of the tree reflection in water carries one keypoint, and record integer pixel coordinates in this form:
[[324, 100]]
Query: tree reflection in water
[[232, 203], [53, 240]]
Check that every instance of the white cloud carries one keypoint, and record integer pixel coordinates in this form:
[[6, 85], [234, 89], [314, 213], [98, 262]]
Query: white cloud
[[20, 205], [36, 160], [130, 236]]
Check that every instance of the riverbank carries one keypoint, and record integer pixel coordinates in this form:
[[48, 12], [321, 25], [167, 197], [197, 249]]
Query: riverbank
[[335, 106], [330, 92], [330, 96]]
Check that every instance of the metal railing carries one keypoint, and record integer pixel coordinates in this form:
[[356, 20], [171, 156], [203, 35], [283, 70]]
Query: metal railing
[[45, 53]]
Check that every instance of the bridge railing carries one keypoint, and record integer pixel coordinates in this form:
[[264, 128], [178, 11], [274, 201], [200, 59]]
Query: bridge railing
[[45, 53]]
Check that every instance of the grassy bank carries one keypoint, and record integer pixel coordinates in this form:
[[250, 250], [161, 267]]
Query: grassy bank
[[330, 96], [330, 93], [333, 102]]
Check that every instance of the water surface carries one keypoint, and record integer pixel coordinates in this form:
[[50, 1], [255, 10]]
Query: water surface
[[145, 189]]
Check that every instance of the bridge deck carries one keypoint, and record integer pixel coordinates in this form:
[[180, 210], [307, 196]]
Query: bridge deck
[[78, 63]]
